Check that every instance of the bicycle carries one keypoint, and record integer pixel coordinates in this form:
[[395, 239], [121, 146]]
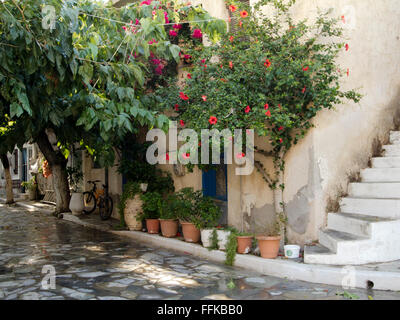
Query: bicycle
[[98, 198]]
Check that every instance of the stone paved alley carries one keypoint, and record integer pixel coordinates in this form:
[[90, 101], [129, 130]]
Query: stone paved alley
[[91, 264]]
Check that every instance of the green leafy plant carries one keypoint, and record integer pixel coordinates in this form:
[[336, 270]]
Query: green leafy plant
[[150, 207], [31, 184], [168, 207], [271, 74], [75, 177], [231, 248], [213, 240]]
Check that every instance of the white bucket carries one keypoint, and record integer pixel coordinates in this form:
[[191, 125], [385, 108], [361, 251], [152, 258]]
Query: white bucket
[[292, 251]]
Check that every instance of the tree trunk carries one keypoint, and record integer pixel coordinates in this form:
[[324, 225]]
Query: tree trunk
[[279, 208], [58, 165], [9, 189]]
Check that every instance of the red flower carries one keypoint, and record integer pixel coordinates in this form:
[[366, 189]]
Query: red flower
[[280, 128], [348, 72], [247, 110], [240, 155], [176, 107], [279, 106], [240, 23], [167, 156], [183, 96], [204, 98], [232, 8], [347, 47], [231, 38], [124, 28], [344, 21], [267, 63], [187, 56], [186, 155], [197, 34], [230, 64], [203, 60], [147, 2], [212, 120], [268, 113], [280, 140], [177, 26], [189, 76], [173, 33], [244, 14], [303, 90], [266, 106], [182, 123], [305, 68]]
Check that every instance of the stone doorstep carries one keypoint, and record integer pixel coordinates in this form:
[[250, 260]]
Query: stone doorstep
[[281, 268]]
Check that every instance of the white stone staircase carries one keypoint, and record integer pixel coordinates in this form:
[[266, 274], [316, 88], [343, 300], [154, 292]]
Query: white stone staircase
[[367, 228]]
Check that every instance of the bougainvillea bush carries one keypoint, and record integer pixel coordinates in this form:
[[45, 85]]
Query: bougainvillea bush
[[270, 74]]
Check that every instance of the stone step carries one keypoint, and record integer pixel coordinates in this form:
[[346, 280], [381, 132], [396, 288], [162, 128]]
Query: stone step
[[357, 224], [391, 150], [384, 208], [318, 254], [337, 241], [381, 190], [380, 175], [385, 162], [395, 137]]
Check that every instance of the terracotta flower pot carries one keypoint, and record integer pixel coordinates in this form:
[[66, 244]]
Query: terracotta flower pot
[[169, 227], [153, 225], [244, 244], [269, 246], [190, 232]]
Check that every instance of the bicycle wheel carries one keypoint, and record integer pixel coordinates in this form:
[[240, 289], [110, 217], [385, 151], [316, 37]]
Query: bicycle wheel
[[105, 208], [89, 202]]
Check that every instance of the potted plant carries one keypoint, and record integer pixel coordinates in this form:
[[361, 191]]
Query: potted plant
[[31, 186], [223, 236], [168, 217], [269, 244], [244, 242], [210, 213], [150, 212], [75, 176], [130, 206]]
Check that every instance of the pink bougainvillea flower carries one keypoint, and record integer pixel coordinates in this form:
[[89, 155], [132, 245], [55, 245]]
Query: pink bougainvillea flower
[[173, 33], [204, 98], [159, 69], [244, 14], [177, 26], [268, 113], [183, 96], [280, 128], [124, 28], [187, 56], [176, 107], [232, 8], [182, 123], [147, 2], [213, 120], [189, 76], [231, 38], [247, 110], [266, 106], [230, 64], [156, 61], [303, 90], [166, 17], [137, 21], [240, 155], [347, 47], [305, 68], [167, 156], [203, 60], [197, 34], [267, 63]]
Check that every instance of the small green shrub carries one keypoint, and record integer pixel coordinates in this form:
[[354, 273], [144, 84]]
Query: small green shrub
[[150, 207]]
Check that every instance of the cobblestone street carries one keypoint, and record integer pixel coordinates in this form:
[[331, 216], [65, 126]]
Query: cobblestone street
[[90, 264]]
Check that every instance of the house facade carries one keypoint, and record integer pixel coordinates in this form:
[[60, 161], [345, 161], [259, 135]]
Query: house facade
[[320, 167]]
